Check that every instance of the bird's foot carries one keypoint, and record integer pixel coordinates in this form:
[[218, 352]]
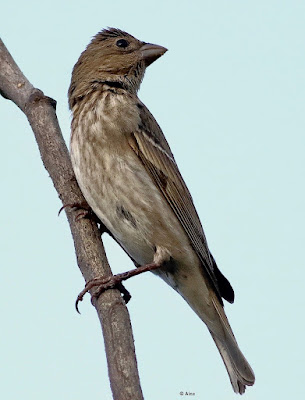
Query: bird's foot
[[103, 284], [113, 282], [85, 212], [84, 208]]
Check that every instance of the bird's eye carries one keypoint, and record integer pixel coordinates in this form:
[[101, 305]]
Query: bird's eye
[[122, 43]]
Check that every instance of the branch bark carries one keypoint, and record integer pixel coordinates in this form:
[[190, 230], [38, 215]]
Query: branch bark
[[91, 258]]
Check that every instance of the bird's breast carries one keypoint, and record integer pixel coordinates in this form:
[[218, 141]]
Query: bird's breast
[[116, 185]]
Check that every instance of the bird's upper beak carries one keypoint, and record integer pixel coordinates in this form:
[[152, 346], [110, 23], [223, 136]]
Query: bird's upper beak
[[151, 52]]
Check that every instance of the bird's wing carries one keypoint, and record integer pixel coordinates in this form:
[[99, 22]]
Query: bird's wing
[[150, 145]]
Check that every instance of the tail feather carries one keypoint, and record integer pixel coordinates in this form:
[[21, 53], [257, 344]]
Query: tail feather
[[239, 370], [204, 301]]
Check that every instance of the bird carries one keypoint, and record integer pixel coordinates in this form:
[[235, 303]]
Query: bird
[[130, 179]]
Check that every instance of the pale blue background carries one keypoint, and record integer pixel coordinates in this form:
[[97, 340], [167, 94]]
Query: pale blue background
[[229, 95]]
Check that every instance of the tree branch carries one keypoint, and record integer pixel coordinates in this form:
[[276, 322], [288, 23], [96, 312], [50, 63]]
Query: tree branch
[[91, 258]]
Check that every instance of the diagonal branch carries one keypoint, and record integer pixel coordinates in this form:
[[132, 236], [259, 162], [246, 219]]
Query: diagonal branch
[[91, 258]]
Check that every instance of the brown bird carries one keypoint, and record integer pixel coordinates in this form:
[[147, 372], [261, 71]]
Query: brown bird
[[129, 177]]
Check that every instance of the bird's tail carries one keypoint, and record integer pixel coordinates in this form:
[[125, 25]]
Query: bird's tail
[[204, 301], [239, 370]]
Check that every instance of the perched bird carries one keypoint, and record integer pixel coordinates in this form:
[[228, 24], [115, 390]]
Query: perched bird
[[129, 177]]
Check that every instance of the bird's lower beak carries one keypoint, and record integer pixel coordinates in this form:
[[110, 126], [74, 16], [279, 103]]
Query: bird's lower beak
[[151, 52]]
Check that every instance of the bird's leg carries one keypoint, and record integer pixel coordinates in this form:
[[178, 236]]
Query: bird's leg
[[85, 212], [115, 281]]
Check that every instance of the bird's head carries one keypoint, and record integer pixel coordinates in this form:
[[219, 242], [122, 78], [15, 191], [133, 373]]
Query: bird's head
[[112, 56]]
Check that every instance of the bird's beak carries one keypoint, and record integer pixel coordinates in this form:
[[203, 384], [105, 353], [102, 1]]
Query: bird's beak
[[151, 52]]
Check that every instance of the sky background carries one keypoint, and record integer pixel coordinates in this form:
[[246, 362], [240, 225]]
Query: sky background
[[229, 96]]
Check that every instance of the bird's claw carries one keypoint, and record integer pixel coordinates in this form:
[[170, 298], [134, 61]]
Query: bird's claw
[[103, 284], [85, 212], [77, 206]]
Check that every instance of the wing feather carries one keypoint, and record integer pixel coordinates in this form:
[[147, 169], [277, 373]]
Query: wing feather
[[150, 145]]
